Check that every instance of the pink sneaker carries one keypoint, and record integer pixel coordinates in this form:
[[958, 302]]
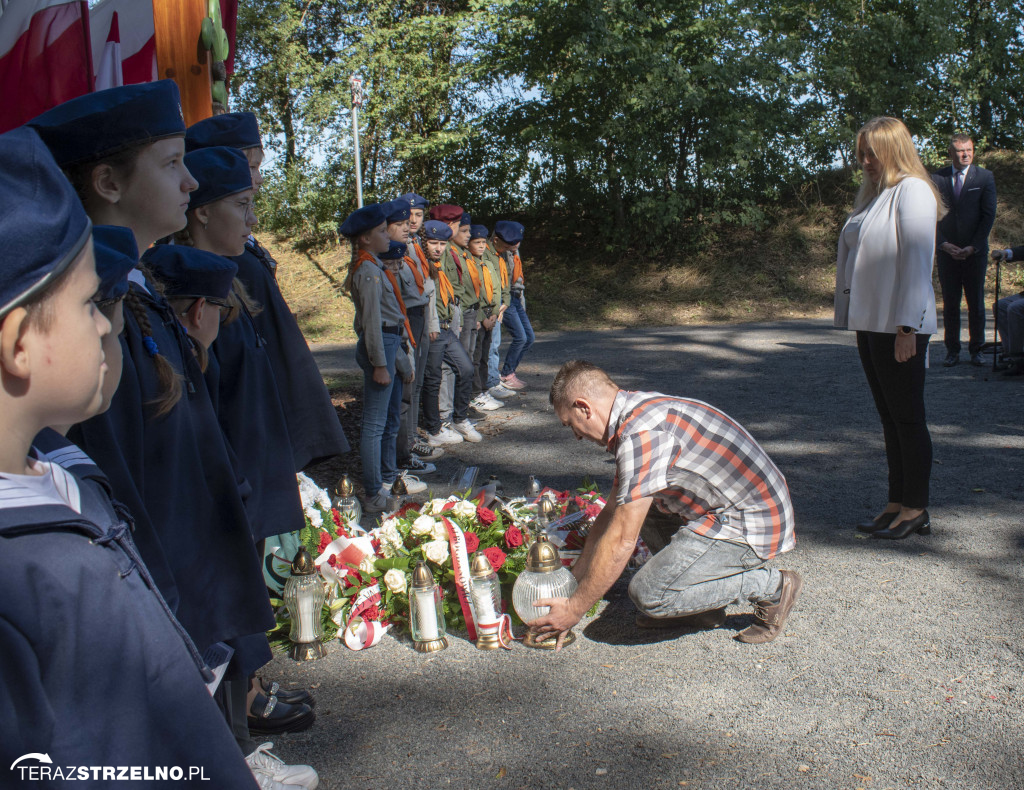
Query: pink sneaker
[[512, 381]]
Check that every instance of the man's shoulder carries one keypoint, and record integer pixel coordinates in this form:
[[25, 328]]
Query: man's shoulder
[[945, 172]]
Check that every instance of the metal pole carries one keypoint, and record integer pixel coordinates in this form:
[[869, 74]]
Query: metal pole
[[356, 82]]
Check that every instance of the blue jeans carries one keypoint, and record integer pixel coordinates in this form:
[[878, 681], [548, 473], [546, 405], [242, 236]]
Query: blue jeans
[[493, 379], [381, 411], [693, 574], [518, 325]]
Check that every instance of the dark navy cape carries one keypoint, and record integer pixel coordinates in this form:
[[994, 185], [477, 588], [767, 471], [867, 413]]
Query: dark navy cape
[[94, 668], [180, 468], [312, 421], [244, 394]]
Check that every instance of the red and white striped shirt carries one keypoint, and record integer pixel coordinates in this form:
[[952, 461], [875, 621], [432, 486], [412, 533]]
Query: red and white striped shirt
[[699, 463]]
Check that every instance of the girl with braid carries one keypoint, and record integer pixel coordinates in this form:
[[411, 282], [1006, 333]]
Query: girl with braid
[[160, 442]]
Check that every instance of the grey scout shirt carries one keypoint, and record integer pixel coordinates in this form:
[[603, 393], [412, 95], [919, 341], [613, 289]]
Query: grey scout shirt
[[376, 306]]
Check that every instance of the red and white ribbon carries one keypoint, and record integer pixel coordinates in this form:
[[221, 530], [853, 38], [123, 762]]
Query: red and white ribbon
[[503, 627], [460, 564], [349, 551], [360, 633]]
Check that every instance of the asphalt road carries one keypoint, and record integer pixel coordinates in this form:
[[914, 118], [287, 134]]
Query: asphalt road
[[900, 666]]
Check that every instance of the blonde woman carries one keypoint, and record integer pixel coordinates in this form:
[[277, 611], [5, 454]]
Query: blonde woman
[[884, 292]]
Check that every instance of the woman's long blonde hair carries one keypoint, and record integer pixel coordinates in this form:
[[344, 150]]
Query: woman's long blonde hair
[[894, 148]]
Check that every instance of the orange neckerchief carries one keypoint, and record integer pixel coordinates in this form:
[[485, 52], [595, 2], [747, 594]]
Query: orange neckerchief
[[474, 273], [502, 268], [361, 256], [488, 282], [415, 272], [444, 285], [517, 270], [401, 304], [423, 259]]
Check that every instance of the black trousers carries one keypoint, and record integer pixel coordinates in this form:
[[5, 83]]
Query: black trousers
[[963, 278], [898, 390], [481, 355], [449, 351]]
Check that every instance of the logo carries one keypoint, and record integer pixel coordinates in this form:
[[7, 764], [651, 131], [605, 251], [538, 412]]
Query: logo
[[48, 772], [43, 758]]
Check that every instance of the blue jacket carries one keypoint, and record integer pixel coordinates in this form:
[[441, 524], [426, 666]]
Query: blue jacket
[[312, 421], [970, 216], [94, 668]]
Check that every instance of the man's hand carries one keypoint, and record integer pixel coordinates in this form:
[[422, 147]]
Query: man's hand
[[950, 249], [559, 619], [999, 255], [381, 376], [434, 336], [965, 253]]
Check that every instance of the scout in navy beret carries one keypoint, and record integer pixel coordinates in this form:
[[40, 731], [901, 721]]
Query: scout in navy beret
[[233, 129], [446, 212], [220, 171], [478, 232], [396, 211], [396, 252], [437, 230], [362, 220], [509, 232], [116, 119], [465, 219], [42, 223], [190, 273], [415, 201], [116, 255]]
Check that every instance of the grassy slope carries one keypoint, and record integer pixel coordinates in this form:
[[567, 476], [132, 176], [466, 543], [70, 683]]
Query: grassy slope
[[785, 270]]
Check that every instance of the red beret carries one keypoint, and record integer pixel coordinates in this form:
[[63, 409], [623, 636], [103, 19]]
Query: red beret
[[446, 212]]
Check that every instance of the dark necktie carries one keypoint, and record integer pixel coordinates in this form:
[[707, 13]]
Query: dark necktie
[[958, 183]]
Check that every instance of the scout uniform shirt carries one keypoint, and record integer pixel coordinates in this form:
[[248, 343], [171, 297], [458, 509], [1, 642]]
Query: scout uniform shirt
[[465, 285], [377, 311], [417, 286], [445, 294], [491, 291]]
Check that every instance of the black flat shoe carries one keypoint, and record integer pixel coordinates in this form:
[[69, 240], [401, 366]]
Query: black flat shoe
[[977, 359], [291, 696], [272, 717], [950, 360], [876, 524], [922, 525]]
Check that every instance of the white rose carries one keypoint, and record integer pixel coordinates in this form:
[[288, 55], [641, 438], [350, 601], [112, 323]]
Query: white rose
[[464, 509], [436, 551], [435, 506], [394, 580], [439, 532], [390, 523], [315, 518], [389, 534], [422, 525], [366, 565]]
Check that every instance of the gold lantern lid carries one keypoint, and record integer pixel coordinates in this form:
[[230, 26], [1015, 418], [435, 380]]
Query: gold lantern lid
[[480, 567], [547, 507], [543, 556], [399, 488], [421, 576], [344, 486], [302, 564]]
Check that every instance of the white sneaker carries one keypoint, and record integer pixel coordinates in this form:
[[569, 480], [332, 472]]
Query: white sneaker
[[412, 484], [501, 391], [467, 431], [271, 772], [444, 436], [485, 403], [492, 399]]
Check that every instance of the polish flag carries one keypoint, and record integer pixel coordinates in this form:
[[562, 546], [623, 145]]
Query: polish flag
[[108, 67], [45, 57], [129, 22]]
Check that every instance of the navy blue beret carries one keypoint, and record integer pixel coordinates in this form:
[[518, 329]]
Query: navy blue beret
[[186, 271], [466, 219], [99, 124], [116, 255], [437, 230], [478, 232], [396, 210], [362, 219], [415, 201], [509, 232], [220, 171], [42, 223], [396, 251], [233, 129]]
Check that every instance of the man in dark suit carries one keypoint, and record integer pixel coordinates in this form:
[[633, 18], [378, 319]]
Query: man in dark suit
[[962, 246]]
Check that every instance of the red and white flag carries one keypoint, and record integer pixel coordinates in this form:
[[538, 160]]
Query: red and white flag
[[45, 57], [108, 66], [130, 23]]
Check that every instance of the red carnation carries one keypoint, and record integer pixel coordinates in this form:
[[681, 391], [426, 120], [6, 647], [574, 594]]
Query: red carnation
[[513, 537], [406, 508], [372, 613], [337, 521], [325, 541], [593, 511], [495, 556], [472, 542], [486, 515]]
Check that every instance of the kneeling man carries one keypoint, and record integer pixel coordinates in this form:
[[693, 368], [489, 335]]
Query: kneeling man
[[698, 464]]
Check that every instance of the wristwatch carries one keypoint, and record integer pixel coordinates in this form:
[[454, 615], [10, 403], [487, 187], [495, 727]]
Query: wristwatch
[[906, 330]]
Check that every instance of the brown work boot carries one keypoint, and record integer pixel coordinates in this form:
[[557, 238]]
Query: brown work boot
[[769, 618], [712, 618]]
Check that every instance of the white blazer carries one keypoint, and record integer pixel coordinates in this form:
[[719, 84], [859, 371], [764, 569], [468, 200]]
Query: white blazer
[[887, 280]]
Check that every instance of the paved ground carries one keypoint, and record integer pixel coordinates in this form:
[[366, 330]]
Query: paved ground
[[901, 666]]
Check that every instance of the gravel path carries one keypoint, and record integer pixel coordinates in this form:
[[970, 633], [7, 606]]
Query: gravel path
[[900, 667]]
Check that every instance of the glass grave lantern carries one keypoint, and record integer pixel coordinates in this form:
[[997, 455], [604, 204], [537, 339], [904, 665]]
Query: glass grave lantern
[[486, 593], [346, 503], [544, 577], [304, 596], [426, 617]]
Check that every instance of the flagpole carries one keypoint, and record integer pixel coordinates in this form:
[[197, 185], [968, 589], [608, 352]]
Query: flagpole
[[356, 82]]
